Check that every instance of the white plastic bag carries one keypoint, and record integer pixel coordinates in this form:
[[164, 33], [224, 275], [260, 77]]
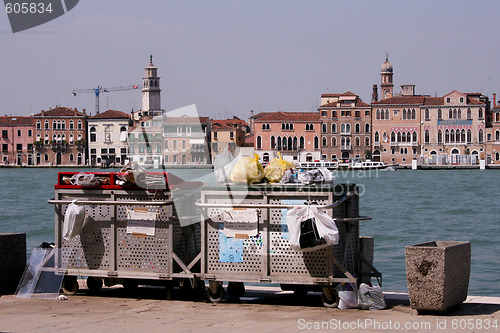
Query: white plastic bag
[[85, 180], [74, 219], [311, 229], [223, 164], [348, 295], [370, 298]]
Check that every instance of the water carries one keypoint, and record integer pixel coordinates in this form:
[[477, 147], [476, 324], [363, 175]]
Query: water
[[407, 207]]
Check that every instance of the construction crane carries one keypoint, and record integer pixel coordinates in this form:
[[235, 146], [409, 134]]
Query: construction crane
[[97, 91]]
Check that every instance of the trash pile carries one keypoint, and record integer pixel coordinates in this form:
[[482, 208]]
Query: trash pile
[[248, 170]]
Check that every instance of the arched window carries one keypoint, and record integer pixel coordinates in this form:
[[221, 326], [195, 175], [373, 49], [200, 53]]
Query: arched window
[[46, 139], [404, 113], [273, 142], [93, 134], [71, 158], [294, 143], [384, 137], [279, 143], [63, 124], [79, 126], [427, 136], [497, 156], [46, 124], [427, 115], [469, 136], [71, 125], [481, 113], [46, 157], [452, 136], [259, 142], [348, 128], [357, 141], [342, 128], [79, 136], [440, 114], [183, 144], [263, 126], [282, 126], [408, 137], [323, 128], [166, 144], [469, 113], [367, 128], [415, 138], [403, 137], [393, 136], [481, 136], [324, 142], [289, 145], [378, 114], [497, 135], [316, 142], [447, 136], [459, 114], [440, 136], [285, 143], [497, 116], [38, 124], [399, 136], [462, 139], [302, 142], [367, 141], [377, 137], [334, 141], [174, 144], [334, 128], [413, 114], [54, 124], [450, 114], [357, 128], [38, 137]]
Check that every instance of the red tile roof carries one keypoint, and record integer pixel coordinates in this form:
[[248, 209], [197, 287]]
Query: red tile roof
[[186, 120], [289, 116], [60, 111], [234, 123], [347, 93], [401, 100], [16, 121], [359, 104], [434, 101], [111, 114]]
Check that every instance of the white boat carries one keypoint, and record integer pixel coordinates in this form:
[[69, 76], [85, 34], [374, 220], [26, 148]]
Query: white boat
[[343, 165]]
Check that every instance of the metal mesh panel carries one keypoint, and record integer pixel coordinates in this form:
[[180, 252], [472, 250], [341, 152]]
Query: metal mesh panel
[[252, 247]]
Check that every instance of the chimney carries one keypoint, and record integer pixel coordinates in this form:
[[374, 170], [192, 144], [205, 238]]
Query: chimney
[[43, 113], [375, 93], [494, 100], [84, 111]]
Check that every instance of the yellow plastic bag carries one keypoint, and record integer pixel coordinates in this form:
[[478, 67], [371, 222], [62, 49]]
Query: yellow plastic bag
[[247, 170], [275, 170]]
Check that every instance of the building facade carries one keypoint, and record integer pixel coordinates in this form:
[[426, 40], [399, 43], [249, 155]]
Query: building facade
[[296, 135], [345, 128], [227, 133], [107, 138], [60, 137], [16, 141]]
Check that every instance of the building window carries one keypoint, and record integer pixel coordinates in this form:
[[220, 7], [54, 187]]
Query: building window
[[357, 114], [427, 115], [367, 128], [481, 136], [461, 99], [367, 113], [323, 113], [334, 141], [231, 135], [448, 100], [357, 128], [259, 142], [79, 126], [316, 142], [440, 114], [334, 114], [19, 133], [323, 128], [93, 134], [377, 137], [357, 141], [469, 114], [426, 136], [334, 157], [440, 136], [38, 124], [324, 142], [334, 128], [481, 116], [302, 142], [367, 141], [46, 124]]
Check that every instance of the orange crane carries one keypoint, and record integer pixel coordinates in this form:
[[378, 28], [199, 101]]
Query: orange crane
[[97, 91]]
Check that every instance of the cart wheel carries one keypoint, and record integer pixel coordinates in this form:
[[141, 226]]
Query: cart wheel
[[94, 285], [236, 289], [333, 303], [70, 285], [218, 297], [130, 285]]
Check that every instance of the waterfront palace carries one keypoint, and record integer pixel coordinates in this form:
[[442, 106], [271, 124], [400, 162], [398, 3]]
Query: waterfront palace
[[457, 128]]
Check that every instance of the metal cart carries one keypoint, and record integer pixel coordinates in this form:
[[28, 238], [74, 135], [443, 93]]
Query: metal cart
[[113, 250], [261, 253]]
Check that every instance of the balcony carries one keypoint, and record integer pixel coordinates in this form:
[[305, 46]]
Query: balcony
[[414, 144], [345, 147], [394, 144], [376, 144], [345, 133]]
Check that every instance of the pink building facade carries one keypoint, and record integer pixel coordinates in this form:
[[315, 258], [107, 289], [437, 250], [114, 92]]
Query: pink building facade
[[16, 140]]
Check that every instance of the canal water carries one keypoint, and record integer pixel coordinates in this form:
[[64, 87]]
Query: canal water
[[407, 206]]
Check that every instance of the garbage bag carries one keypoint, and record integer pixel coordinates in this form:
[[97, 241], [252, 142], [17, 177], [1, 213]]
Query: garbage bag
[[321, 175], [275, 170], [74, 219], [311, 229], [247, 170], [370, 297], [133, 173], [348, 295], [223, 164], [85, 180]]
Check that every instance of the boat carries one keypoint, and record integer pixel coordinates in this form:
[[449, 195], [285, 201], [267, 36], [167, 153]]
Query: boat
[[345, 165]]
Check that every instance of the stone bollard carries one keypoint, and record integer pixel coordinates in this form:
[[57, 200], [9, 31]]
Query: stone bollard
[[437, 274], [366, 247], [12, 261]]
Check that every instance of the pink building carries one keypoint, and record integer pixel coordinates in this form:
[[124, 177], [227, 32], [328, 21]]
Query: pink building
[[17, 140], [296, 135]]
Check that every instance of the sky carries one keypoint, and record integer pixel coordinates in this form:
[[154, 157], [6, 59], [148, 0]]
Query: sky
[[230, 57]]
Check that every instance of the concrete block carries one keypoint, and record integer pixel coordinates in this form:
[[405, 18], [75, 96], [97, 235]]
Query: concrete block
[[438, 274], [12, 261]]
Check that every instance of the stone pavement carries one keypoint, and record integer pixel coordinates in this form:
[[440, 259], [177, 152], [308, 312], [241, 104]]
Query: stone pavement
[[262, 309]]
